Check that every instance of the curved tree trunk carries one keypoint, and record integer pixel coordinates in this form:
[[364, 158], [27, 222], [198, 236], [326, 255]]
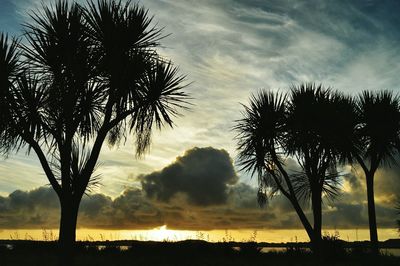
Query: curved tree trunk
[[373, 233], [307, 226], [291, 196]]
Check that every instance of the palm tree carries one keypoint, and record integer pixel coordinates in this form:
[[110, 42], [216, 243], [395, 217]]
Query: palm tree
[[378, 130], [319, 126], [261, 136], [87, 75], [311, 125]]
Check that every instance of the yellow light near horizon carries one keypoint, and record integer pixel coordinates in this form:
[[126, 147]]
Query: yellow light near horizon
[[162, 233]]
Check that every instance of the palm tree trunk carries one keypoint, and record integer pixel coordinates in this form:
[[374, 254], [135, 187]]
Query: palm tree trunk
[[316, 200], [69, 215], [67, 234], [306, 224], [317, 213], [291, 196], [373, 233]]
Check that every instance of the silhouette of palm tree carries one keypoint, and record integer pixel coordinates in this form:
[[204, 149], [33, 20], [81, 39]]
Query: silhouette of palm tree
[[312, 124], [378, 131], [261, 134], [91, 75], [319, 126]]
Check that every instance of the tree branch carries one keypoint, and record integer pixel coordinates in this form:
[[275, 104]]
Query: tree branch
[[45, 165], [36, 147], [95, 152], [362, 163], [120, 118], [284, 192], [293, 199], [284, 173]]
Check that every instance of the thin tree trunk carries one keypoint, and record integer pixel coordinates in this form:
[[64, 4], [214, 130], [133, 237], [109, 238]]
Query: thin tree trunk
[[317, 213], [316, 200], [373, 233], [291, 195], [307, 226]]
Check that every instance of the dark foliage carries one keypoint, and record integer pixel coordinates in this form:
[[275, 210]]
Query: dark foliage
[[313, 125], [196, 253], [85, 74]]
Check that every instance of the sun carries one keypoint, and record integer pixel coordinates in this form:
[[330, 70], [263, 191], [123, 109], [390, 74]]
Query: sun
[[162, 233]]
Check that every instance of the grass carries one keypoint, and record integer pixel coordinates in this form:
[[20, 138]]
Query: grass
[[193, 252]]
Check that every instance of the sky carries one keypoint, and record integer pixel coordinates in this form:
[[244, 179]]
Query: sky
[[228, 49]]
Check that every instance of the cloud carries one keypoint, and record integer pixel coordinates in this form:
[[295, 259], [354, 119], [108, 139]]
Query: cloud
[[25, 209], [229, 48], [203, 175], [201, 191], [134, 210]]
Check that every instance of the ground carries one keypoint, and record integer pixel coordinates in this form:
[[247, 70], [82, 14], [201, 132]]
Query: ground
[[193, 253]]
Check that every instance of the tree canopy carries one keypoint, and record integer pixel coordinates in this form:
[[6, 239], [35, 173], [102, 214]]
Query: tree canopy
[[84, 74]]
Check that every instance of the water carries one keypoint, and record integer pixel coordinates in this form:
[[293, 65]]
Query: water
[[384, 251]]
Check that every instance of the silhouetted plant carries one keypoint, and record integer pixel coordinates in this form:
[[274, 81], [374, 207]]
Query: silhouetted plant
[[84, 75], [261, 135], [319, 135], [311, 124], [378, 130], [398, 220], [333, 246], [250, 248]]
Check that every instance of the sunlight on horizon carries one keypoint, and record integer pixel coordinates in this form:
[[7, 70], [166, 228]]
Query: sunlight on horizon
[[162, 233]]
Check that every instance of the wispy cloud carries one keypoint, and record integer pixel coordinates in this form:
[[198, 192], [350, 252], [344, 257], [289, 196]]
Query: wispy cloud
[[229, 49]]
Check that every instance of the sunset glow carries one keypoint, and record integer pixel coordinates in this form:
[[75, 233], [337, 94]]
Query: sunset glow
[[164, 234], [186, 181]]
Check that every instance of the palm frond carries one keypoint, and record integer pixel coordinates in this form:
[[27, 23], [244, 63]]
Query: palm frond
[[379, 125], [162, 94], [302, 186], [332, 186], [10, 68], [118, 32], [10, 64], [79, 159], [89, 72], [59, 52], [260, 131]]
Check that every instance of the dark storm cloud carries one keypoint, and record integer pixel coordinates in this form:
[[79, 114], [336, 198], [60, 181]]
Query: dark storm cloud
[[387, 184], [171, 199], [39, 208], [25, 209], [134, 210], [350, 208], [203, 175], [346, 215]]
